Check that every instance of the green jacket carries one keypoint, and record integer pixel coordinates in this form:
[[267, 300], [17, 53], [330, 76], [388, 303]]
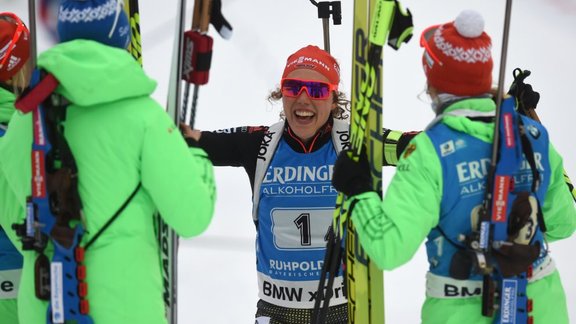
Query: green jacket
[[6, 105], [8, 307], [119, 137], [391, 231]]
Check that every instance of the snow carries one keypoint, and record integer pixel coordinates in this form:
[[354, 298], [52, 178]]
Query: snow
[[217, 270]]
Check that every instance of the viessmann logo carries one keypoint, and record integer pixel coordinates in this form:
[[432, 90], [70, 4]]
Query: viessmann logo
[[501, 189], [3, 51], [310, 60]]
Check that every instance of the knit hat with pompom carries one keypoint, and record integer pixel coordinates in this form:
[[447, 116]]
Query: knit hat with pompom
[[457, 56]]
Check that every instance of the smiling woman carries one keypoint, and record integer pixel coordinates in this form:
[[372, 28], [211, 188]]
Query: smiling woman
[[309, 93], [290, 169]]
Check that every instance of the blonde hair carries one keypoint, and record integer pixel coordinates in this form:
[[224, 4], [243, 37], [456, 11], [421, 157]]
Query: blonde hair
[[21, 79], [340, 112]]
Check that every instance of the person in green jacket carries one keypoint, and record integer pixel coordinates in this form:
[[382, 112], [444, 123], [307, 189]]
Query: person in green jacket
[[439, 185], [123, 143], [14, 39]]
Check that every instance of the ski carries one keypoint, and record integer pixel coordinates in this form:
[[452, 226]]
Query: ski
[[364, 282], [167, 237], [191, 60], [133, 12], [570, 185]]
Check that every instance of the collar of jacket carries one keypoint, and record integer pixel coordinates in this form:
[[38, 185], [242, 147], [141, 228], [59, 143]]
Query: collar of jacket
[[322, 136], [458, 116]]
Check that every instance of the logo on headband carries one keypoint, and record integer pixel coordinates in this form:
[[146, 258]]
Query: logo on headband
[[13, 62], [308, 62], [4, 50]]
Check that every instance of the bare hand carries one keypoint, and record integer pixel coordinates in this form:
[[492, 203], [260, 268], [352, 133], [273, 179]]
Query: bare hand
[[188, 132]]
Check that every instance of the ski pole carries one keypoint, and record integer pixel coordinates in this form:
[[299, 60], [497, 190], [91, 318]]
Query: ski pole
[[484, 221], [501, 74], [168, 239], [325, 10], [197, 57], [198, 50], [334, 250], [32, 29]]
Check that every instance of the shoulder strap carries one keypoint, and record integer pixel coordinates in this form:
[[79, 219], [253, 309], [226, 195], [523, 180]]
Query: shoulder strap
[[536, 181], [32, 98], [268, 147], [114, 217], [340, 135], [340, 140]]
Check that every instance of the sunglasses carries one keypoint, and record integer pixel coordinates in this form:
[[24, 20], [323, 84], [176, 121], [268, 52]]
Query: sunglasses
[[317, 90], [427, 34], [20, 28]]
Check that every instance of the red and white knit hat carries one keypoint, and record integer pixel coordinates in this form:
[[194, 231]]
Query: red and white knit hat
[[457, 56], [14, 45], [313, 58]]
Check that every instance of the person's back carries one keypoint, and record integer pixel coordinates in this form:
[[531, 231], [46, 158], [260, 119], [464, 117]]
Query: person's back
[[440, 183], [119, 138]]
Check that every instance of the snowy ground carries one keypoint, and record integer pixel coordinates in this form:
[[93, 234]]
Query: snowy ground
[[217, 270]]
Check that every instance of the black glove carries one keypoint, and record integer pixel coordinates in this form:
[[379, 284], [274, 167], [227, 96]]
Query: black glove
[[526, 97], [218, 21], [351, 178]]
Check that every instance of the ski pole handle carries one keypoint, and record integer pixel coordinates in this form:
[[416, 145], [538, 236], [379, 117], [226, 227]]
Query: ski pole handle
[[325, 10], [197, 57]]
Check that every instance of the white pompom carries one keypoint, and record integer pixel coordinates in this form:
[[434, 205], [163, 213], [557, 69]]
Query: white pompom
[[469, 23]]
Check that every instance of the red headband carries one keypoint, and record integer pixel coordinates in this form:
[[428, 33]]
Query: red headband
[[313, 58]]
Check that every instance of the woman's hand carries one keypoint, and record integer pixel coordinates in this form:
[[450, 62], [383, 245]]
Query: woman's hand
[[188, 132]]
